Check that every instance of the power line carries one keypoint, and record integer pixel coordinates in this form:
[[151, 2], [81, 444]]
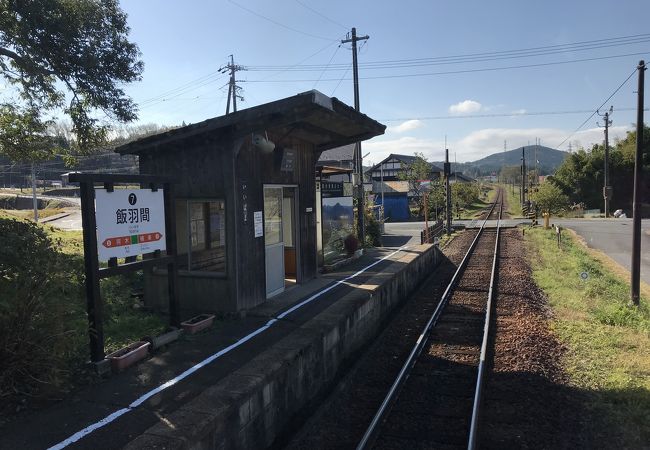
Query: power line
[[187, 86], [475, 57], [162, 99], [457, 72], [342, 77], [321, 74], [322, 15], [295, 30], [513, 114], [280, 71], [596, 110]]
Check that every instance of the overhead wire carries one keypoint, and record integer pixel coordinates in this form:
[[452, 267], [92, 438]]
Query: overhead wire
[[482, 116], [295, 30], [461, 71], [184, 86], [323, 71], [473, 57], [322, 15], [596, 110]]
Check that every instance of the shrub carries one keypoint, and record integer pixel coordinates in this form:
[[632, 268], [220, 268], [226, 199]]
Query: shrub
[[373, 231], [37, 335], [351, 244]]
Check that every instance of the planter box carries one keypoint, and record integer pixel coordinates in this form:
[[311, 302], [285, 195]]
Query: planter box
[[128, 356], [198, 323]]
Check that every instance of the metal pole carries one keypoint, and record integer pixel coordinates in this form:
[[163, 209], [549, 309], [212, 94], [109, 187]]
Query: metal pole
[[605, 193], [521, 186], [34, 199], [447, 192], [426, 218], [232, 81], [636, 209], [383, 207]]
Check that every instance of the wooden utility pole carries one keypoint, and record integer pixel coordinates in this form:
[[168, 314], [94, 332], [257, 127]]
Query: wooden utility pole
[[636, 202], [358, 160], [607, 190]]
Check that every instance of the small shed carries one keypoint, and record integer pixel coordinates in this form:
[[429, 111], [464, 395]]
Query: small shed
[[245, 203]]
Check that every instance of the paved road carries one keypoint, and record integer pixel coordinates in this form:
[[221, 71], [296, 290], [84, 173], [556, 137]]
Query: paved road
[[614, 238], [70, 223], [397, 234]]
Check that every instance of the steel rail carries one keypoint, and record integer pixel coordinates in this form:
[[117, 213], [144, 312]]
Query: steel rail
[[404, 373], [473, 429]]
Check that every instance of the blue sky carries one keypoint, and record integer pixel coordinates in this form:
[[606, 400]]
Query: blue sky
[[476, 105]]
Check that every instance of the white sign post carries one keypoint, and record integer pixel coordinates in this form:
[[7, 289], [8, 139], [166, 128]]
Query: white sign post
[[130, 222]]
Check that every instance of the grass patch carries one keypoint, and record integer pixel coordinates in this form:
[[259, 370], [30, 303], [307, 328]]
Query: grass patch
[[607, 339], [512, 199], [43, 288], [29, 213], [124, 321]]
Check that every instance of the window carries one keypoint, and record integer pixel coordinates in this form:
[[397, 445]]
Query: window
[[201, 227]]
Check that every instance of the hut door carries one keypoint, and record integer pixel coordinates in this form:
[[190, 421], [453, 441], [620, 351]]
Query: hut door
[[273, 240]]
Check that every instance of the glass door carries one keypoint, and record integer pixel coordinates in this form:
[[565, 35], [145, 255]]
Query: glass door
[[273, 240]]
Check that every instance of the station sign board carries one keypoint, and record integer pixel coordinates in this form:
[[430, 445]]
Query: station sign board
[[130, 222]]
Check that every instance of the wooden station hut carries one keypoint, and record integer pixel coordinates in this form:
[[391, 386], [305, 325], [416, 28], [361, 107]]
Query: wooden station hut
[[245, 198]]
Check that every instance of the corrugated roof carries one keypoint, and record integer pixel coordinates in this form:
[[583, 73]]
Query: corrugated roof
[[343, 153]]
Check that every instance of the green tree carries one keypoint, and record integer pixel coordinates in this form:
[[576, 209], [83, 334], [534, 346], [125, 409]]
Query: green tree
[[581, 175], [464, 194], [550, 198], [70, 55], [436, 199], [415, 173]]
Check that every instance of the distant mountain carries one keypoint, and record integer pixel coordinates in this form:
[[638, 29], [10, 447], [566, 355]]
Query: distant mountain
[[549, 160]]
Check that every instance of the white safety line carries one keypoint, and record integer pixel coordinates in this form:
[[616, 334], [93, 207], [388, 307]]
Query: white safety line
[[113, 416]]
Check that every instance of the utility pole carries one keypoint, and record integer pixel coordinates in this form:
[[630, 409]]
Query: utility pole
[[522, 195], [233, 89], [607, 190], [505, 145], [358, 160], [636, 209], [447, 191]]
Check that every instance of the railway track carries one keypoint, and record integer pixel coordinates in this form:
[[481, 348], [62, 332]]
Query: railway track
[[434, 401]]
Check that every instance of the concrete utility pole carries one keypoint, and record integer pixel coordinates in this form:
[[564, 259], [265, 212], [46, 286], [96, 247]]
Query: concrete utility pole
[[233, 89], [447, 192], [607, 190], [522, 196], [358, 160], [636, 202]]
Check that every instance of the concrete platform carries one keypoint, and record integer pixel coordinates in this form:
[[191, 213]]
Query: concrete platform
[[242, 382]]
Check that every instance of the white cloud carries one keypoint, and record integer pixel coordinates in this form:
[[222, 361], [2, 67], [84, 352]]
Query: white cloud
[[482, 143], [519, 112], [465, 107], [406, 126]]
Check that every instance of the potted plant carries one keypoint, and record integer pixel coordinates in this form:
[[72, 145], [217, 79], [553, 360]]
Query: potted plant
[[129, 355], [198, 323]]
